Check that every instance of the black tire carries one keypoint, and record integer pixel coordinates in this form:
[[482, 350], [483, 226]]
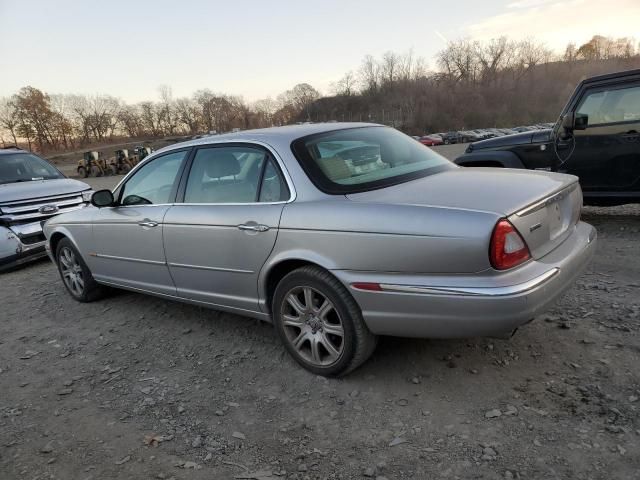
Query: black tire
[[82, 172], [96, 171], [446, 142], [86, 289], [356, 344]]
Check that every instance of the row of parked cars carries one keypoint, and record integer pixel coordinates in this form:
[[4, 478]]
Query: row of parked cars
[[465, 136]]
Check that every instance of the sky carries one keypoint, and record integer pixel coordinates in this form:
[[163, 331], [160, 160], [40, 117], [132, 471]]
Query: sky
[[260, 48]]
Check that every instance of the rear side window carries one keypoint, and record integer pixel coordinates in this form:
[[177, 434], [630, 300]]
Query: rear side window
[[234, 174], [360, 159]]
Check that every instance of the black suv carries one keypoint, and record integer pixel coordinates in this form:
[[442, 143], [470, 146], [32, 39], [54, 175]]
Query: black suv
[[597, 138]]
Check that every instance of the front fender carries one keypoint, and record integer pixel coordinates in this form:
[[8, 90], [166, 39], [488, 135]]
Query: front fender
[[480, 158], [54, 232], [9, 243]]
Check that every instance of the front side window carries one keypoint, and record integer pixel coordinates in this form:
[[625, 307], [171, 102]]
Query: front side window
[[153, 183], [234, 174], [25, 167], [611, 106], [359, 159]]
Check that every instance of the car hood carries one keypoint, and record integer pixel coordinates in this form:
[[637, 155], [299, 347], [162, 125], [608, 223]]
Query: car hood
[[500, 191], [12, 192], [511, 140]]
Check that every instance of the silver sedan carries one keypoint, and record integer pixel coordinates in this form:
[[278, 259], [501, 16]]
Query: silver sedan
[[336, 233]]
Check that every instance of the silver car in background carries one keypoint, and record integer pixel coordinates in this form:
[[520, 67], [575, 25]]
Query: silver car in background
[[336, 233], [31, 191]]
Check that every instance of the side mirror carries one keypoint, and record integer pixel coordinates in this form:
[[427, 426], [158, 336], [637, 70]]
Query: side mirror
[[575, 121], [580, 121], [102, 198]]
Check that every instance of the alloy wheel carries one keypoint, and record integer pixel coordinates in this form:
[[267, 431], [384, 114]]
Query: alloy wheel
[[71, 271], [313, 326]]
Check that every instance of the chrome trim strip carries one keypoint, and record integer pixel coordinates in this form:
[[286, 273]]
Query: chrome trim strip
[[547, 201], [471, 291], [35, 206], [42, 216], [128, 259], [43, 200], [203, 267]]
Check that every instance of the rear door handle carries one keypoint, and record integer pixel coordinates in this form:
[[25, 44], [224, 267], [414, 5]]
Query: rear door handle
[[253, 227], [148, 223]]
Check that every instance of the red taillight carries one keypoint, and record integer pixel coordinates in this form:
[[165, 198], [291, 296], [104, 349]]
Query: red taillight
[[507, 247]]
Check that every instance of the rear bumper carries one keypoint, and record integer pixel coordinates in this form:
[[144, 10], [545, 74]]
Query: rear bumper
[[489, 303], [13, 252]]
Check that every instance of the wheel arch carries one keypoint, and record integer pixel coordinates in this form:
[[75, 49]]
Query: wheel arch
[[58, 234], [279, 267]]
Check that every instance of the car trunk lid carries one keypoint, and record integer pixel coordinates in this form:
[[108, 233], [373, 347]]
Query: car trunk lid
[[527, 198], [545, 224]]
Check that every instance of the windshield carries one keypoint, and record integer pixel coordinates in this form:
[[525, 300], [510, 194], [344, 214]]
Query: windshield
[[25, 167], [360, 159]]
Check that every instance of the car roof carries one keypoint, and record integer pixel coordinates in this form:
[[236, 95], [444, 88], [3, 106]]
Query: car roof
[[287, 133], [614, 75], [12, 150]]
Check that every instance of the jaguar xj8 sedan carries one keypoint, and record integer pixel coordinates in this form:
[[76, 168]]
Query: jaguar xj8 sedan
[[335, 233]]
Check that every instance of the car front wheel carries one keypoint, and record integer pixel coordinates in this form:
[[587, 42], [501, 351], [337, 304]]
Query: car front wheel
[[75, 274], [320, 323]]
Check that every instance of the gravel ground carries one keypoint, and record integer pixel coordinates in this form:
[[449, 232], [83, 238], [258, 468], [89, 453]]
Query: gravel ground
[[137, 387]]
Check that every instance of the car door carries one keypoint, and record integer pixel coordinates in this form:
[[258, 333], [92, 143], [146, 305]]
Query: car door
[[221, 233], [607, 152], [128, 242]]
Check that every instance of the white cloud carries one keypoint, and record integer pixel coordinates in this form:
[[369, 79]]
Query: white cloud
[[528, 3], [557, 23]]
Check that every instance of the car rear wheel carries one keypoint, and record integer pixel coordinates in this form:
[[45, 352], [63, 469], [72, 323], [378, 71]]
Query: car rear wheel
[[75, 274], [320, 323]]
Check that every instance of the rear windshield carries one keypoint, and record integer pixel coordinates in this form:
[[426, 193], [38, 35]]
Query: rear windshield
[[25, 167], [360, 159]]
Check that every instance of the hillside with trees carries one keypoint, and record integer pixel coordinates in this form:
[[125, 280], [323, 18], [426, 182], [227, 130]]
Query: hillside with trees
[[499, 83]]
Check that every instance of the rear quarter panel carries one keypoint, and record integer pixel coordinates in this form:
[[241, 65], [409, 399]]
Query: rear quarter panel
[[347, 235]]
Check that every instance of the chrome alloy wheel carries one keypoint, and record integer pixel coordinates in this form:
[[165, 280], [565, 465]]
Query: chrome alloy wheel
[[312, 325], [71, 271]]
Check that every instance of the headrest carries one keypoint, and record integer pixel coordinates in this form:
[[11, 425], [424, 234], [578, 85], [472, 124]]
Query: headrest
[[220, 164]]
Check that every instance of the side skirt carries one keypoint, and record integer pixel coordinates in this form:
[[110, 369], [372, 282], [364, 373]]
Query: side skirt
[[238, 311]]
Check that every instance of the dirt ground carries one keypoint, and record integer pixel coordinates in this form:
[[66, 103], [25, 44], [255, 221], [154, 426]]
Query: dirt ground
[[137, 387]]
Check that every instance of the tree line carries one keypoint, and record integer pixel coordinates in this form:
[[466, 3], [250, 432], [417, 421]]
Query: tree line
[[60, 121], [498, 83]]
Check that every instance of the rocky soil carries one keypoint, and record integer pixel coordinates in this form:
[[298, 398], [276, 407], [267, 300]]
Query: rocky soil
[[138, 387]]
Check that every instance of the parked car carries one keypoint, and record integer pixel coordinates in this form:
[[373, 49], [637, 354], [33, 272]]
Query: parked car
[[285, 225], [451, 137], [596, 138], [431, 140], [31, 191]]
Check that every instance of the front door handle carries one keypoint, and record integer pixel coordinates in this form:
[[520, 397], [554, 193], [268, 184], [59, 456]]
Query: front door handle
[[148, 223], [253, 227]]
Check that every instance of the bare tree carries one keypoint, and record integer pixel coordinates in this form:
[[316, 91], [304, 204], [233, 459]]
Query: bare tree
[[370, 74], [9, 118], [346, 86]]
